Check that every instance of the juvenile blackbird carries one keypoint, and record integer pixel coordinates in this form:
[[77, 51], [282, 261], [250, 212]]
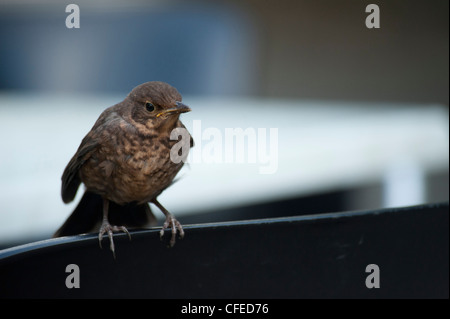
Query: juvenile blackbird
[[124, 162]]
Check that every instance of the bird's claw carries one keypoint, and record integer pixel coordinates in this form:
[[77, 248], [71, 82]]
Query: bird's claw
[[109, 229], [174, 224]]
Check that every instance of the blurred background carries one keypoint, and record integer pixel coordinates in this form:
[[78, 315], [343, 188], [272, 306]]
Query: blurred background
[[361, 114]]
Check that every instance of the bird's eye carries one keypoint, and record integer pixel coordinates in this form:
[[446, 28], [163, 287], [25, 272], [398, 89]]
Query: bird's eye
[[149, 106]]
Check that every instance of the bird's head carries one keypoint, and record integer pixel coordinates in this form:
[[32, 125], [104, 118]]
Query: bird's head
[[156, 105]]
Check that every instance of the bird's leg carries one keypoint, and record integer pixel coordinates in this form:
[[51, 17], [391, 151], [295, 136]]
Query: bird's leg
[[171, 221], [106, 227]]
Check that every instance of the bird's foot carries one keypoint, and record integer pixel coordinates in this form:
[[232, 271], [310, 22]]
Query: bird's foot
[[173, 223], [106, 227]]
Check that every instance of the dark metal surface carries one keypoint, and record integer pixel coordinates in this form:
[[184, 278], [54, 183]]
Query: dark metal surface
[[311, 256]]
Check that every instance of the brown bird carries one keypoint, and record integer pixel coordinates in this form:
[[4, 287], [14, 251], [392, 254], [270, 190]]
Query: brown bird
[[125, 163]]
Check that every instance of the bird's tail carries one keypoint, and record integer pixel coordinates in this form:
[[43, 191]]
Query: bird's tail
[[89, 213]]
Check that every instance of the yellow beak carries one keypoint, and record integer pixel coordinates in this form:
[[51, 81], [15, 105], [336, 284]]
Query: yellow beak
[[179, 108]]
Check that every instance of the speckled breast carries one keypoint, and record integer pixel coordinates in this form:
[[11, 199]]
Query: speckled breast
[[131, 170]]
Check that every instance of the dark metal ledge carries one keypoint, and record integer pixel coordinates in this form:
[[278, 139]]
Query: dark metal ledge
[[312, 256]]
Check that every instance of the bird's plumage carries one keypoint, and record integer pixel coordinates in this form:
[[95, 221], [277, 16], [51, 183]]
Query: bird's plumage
[[125, 157]]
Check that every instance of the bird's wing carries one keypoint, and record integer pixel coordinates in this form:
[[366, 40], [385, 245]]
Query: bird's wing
[[70, 178]]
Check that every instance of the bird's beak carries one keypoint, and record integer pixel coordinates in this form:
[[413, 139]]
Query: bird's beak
[[179, 108]]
